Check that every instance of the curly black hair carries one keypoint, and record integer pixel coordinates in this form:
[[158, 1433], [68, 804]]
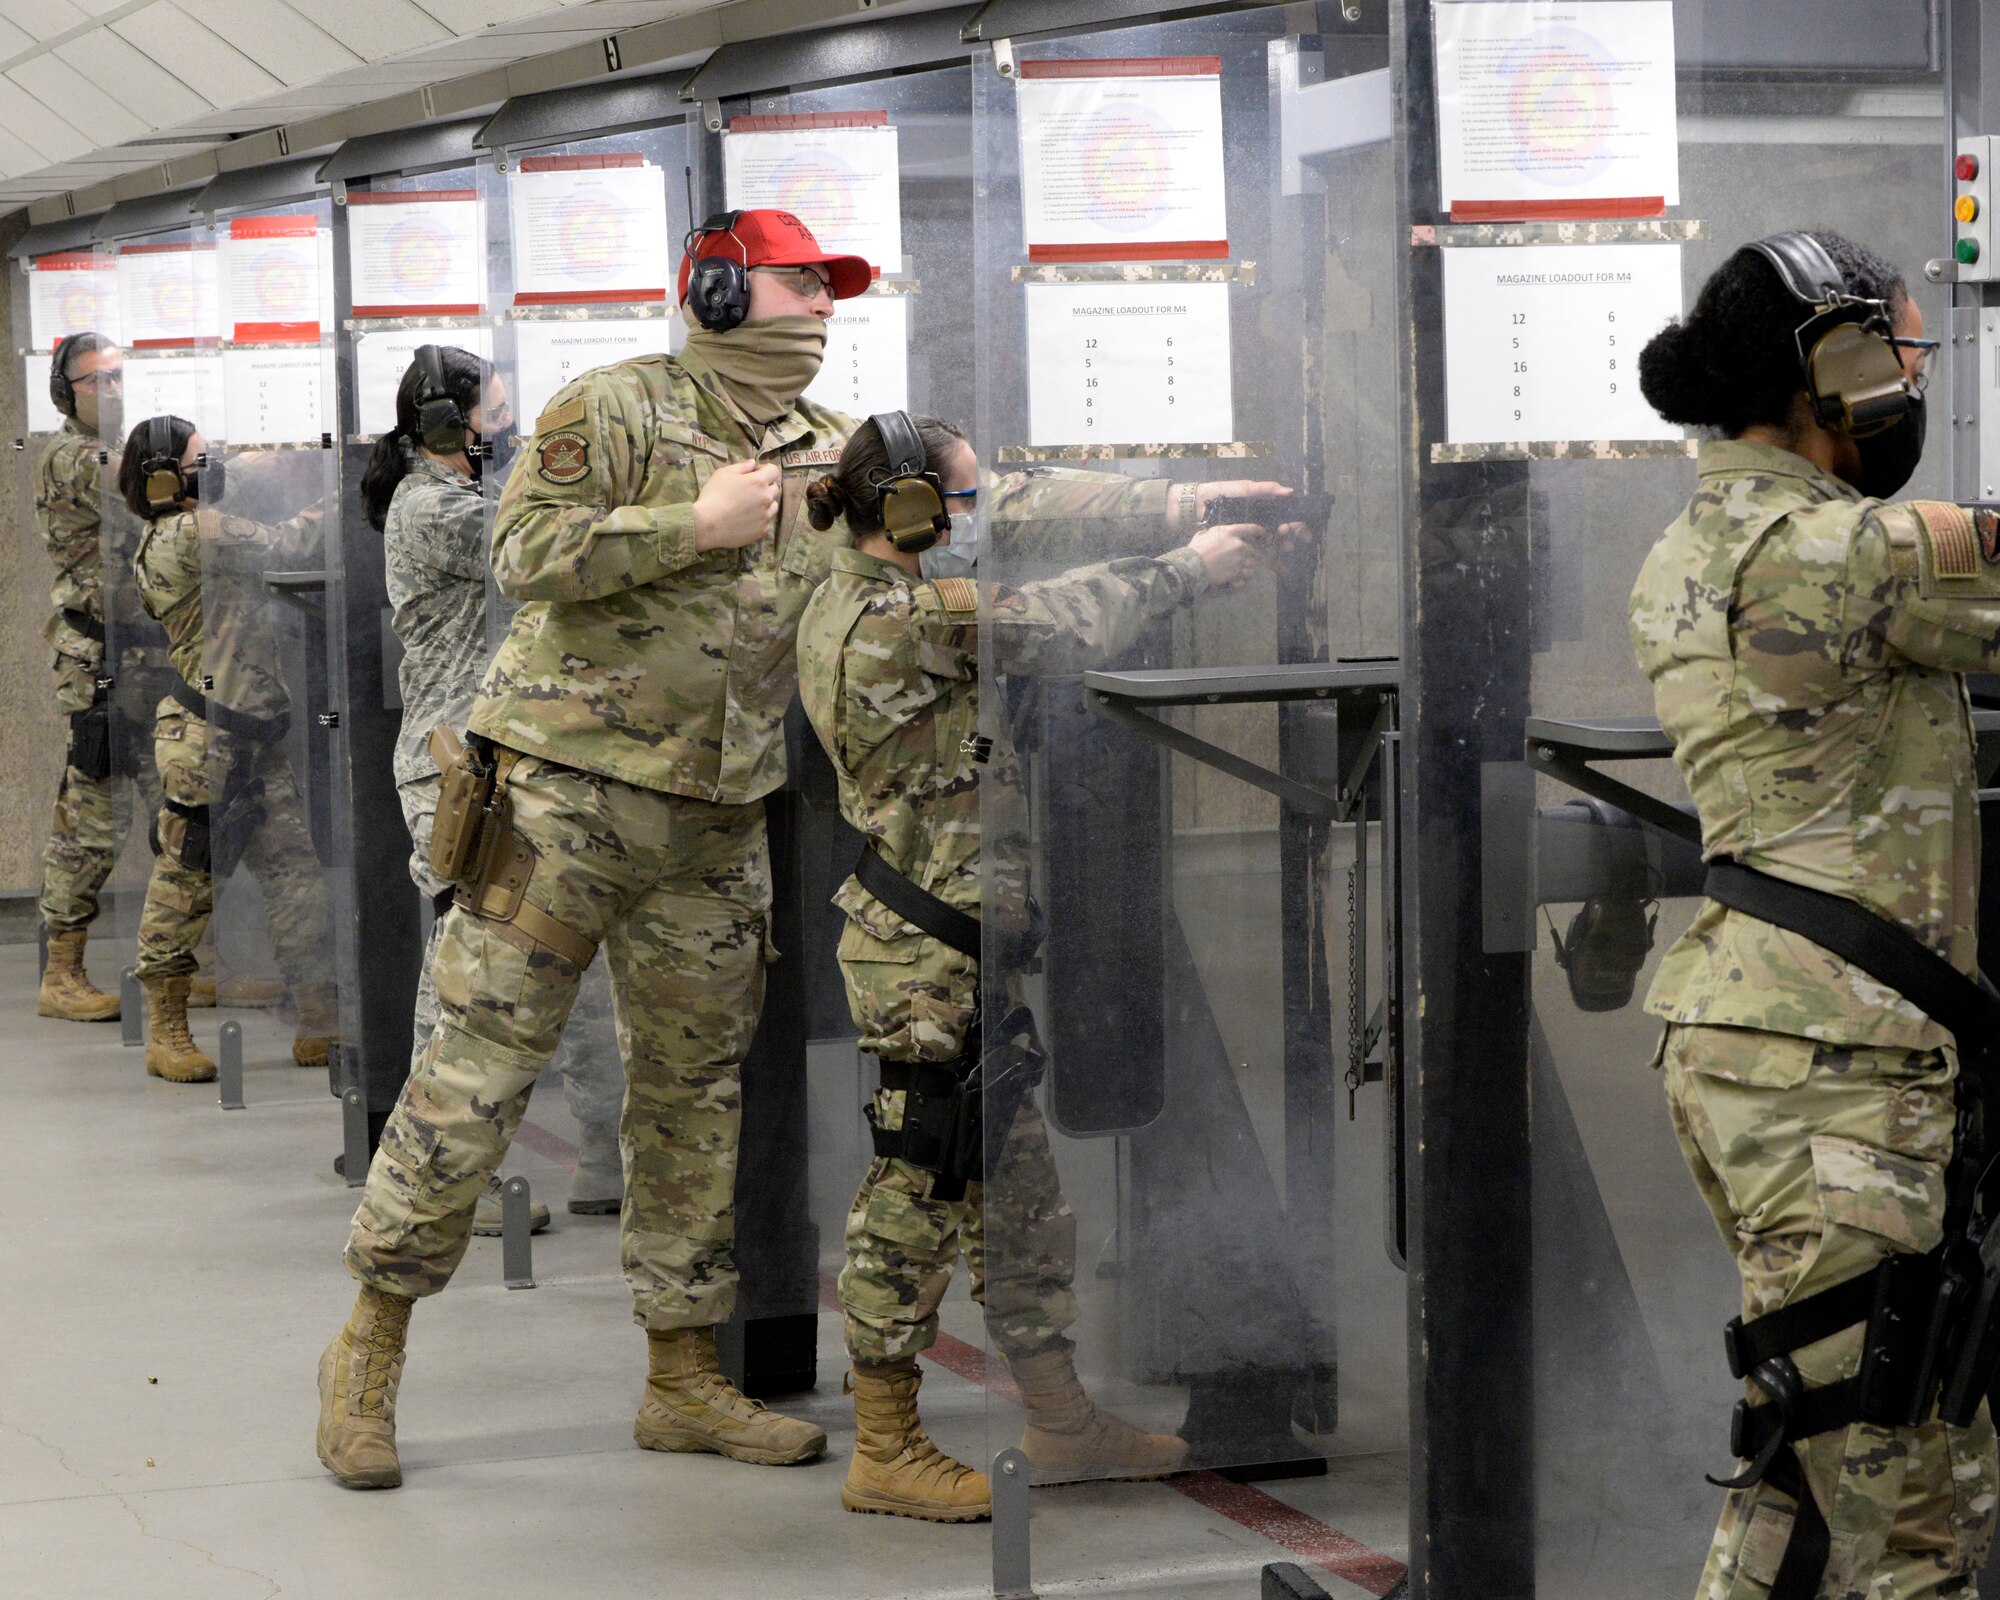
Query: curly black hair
[[1731, 363]]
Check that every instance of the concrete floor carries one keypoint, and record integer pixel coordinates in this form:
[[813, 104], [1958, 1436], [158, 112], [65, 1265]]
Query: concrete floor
[[173, 1271]]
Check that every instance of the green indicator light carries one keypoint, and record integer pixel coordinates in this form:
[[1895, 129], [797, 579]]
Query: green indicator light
[[1967, 251]]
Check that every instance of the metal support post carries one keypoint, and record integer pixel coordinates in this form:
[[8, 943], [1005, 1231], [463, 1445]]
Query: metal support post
[[517, 1245], [354, 1138], [1285, 1580], [229, 1067], [1010, 1527], [131, 1007]]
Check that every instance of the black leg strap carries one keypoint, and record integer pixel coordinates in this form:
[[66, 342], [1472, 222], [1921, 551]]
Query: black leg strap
[[1811, 1542]]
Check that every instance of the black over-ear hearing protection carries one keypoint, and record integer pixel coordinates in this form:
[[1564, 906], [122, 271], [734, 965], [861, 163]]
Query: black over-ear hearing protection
[[166, 484], [718, 294], [910, 495], [1853, 376], [62, 390], [441, 421]]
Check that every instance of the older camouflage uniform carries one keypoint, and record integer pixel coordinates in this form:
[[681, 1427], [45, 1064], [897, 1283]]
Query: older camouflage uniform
[[647, 682], [200, 575], [1806, 658], [92, 815], [889, 673], [434, 549]]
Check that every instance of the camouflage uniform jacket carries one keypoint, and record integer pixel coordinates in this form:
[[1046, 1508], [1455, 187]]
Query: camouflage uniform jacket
[[1805, 651], [434, 547], [889, 675], [201, 576], [67, 477], [636, 655]]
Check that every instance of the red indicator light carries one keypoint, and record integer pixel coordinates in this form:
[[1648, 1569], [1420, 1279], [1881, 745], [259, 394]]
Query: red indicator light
[[1966, 169]]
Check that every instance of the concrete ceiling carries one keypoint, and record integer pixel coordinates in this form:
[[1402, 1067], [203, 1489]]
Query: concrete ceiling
[[102, 99]]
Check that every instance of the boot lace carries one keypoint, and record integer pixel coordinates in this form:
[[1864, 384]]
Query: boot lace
[[376, 1350]]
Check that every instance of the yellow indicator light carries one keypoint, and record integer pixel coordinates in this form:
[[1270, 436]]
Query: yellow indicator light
[[1965, 208]]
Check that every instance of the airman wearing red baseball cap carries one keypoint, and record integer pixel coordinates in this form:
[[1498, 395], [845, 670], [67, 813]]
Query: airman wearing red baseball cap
[[758, 241]]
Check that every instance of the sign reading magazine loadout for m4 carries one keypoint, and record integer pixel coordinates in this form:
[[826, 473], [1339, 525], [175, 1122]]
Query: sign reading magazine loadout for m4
[[1129, 363]]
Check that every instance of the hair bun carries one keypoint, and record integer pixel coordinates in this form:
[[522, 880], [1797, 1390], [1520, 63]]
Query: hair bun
[[1678, 378], [826, 501]]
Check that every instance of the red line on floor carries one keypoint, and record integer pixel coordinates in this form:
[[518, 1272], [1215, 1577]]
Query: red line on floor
[[1305, 1537], [1243, 1504], [549, 1146]]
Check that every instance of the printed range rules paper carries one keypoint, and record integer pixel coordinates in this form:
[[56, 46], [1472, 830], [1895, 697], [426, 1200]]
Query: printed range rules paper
[[591, 235], [1121, 160], [1129, 363], [1556, 108], [272, 279], [1542, 341], [415, 252], [842, 183], [167, 296], [74, 292]]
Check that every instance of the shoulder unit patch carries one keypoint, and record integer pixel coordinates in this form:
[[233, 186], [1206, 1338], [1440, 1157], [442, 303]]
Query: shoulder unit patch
[[563, 457]]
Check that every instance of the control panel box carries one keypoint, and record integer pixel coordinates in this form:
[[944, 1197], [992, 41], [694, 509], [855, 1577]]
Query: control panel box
[[1973, 243]]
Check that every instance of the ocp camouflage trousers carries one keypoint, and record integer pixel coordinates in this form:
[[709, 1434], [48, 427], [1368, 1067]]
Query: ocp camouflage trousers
[[678, 892], [1818, 1160], [191, 755], [593, 1076], [92, 817], [1016, 1232]]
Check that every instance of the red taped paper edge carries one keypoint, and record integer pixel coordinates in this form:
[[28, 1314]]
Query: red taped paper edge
[[160, 249], [1164, 250], [174, 344], [795, 122], [608, 161], [74, 261], [277, 333], [590, 297], [1558, 210], [1126, 67], [417, 311], [286, 227], [408, 197]]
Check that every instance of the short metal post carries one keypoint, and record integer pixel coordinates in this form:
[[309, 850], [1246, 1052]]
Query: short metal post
[[1285, 1580], [517, 1246], [131, 1007], [354, 1138], [229, 1067], [1010, 1527]]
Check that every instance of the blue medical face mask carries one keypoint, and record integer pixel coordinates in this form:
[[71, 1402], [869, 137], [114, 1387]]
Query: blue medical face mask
[[957, 558]]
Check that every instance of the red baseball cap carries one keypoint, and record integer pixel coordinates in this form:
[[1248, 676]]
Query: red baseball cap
[[778, 239]]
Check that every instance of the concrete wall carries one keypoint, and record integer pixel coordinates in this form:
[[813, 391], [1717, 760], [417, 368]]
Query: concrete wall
[[32, 736]]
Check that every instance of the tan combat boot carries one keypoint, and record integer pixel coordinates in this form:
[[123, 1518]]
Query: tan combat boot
[[896, 1469], [358, 1376], [318, 1025], [1068, 1438], [171, 1052], [67, 991], [690, 1405]]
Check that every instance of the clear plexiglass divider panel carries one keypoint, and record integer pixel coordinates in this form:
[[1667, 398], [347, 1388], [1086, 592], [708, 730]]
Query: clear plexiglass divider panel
[[830, 156], [1778, 126], [1183, 1198], [67, 550], [266, 546]]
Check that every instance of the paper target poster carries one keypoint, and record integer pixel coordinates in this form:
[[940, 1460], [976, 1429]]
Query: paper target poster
[[167, 295], [1542, 341], [548, 354], [188, 386], [271, 268], [272, 396], [836, 172], [415, 252], [75, 291], [1557, 109], [589, 234], [867, 364], [1121, 160], [1129, 364], [382, 356]]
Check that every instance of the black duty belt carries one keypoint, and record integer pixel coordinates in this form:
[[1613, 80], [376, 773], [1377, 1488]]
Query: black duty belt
[[238, 724], [84, 623], [916, 904]]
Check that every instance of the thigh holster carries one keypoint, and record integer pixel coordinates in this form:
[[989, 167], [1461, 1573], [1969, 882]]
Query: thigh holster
[[496, 866]]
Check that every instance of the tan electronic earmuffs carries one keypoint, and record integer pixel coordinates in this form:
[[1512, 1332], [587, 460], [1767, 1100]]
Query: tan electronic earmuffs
[[910, 495], [1853, 375], [166, 485]]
